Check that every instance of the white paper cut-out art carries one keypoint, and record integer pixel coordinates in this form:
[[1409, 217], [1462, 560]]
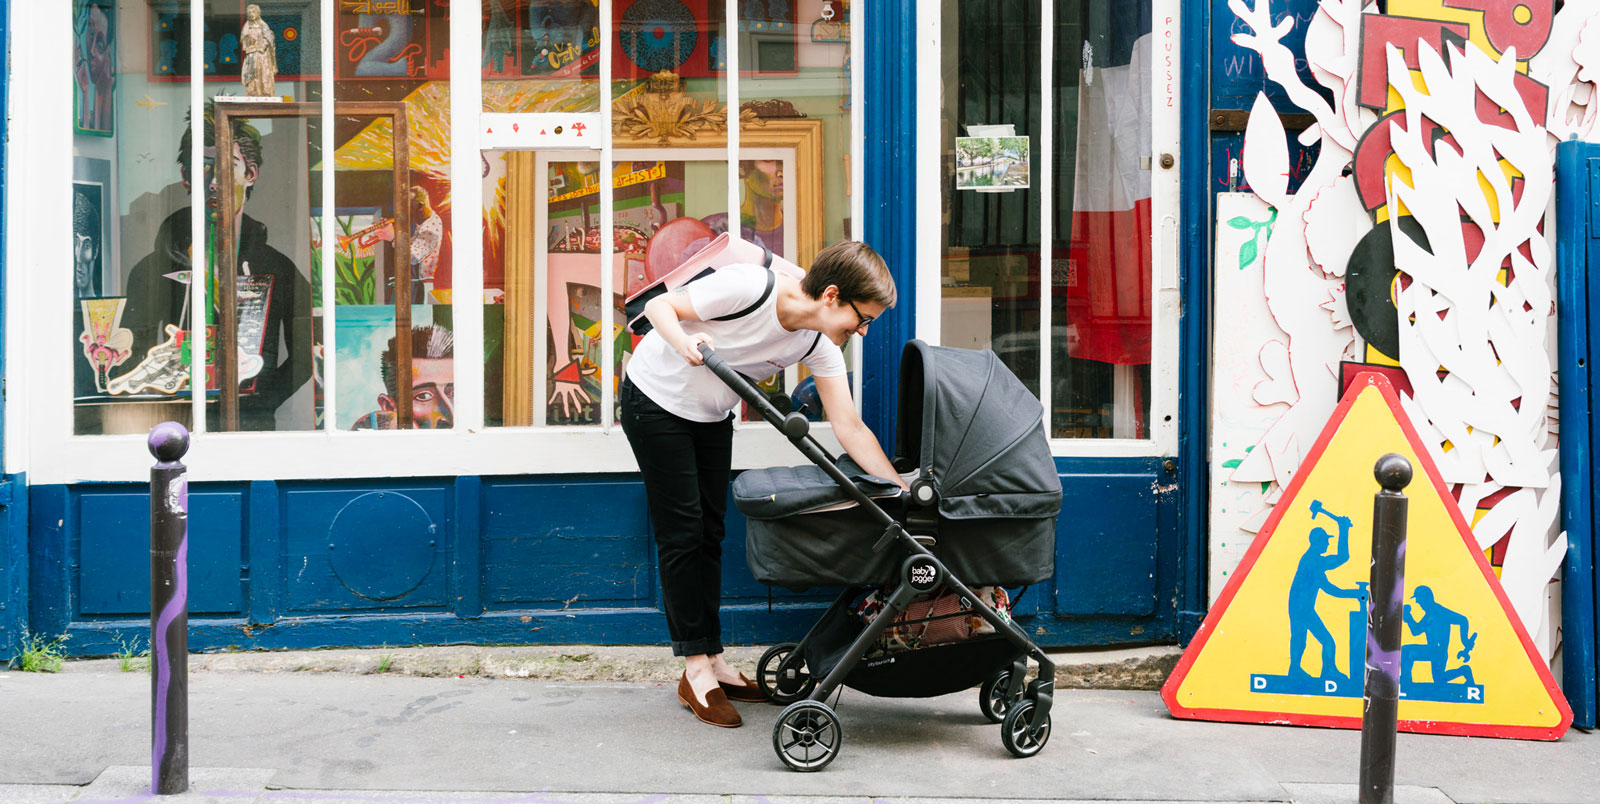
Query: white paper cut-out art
[[1294, 287], [1488, 329], [1569, 65], [1244, 331], [1466, 418], [1335, 222]]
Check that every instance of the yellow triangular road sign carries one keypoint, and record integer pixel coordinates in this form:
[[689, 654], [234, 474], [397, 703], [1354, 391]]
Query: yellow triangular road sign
[[1285, 642]]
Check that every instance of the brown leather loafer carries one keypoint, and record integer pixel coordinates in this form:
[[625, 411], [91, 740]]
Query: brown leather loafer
[[716, 711], [746, 690]]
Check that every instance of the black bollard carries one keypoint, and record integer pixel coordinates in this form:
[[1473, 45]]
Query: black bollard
[[1386, 591], [169, 610]]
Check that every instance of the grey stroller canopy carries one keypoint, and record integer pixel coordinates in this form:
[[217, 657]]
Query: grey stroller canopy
[[975, 431]]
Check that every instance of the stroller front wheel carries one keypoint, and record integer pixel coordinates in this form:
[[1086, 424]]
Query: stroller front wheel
[[1021, 741], [992, 700], [807, 736], [780, 687]]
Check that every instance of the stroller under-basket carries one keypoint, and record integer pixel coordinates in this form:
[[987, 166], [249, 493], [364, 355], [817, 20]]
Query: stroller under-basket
[[981, 511]]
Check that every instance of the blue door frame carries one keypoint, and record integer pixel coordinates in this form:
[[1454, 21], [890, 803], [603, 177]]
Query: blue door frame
[[1176, 560], [13, 532], [1578, 293]]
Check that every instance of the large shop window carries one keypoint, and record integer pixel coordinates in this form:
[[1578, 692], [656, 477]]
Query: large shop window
[[300, 268], [671, 182], [1046, 245]]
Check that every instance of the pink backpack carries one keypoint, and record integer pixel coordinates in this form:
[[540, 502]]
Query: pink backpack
[[724, 249]]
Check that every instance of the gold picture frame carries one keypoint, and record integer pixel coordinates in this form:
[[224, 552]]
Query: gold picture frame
[[801, 136]]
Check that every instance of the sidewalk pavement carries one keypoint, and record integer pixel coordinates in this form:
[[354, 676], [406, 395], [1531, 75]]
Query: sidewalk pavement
[[334, 737]]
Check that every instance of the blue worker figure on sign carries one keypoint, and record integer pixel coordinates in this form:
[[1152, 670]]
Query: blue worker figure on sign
[[1310, 580], [1435, 625]]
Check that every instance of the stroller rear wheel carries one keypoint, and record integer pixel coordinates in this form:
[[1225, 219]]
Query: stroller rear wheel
[[992, 699], [781, 688], [807, 736], [1017, 737]]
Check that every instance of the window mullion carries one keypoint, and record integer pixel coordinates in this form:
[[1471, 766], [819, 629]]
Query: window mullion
[[466, 225], [607, 244], [730, 10], [857, 174], [730, 24], [330, 363], [1043, 153], [200, 248]]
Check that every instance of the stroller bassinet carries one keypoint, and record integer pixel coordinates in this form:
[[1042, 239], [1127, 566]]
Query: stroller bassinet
[[981, 511], [971, 430]]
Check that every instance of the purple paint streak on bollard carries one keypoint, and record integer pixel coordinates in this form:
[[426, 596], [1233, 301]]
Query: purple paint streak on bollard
[[176, 607], [169, 611], [1385, 596]]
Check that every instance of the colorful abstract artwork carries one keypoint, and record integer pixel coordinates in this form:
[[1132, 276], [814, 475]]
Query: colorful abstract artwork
[[1416, 244], [380, 43], [541, 39], [573, 366], [656, 35], [365, 348], [355, 254]]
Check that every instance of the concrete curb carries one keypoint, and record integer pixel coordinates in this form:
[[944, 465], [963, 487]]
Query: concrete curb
[[1131, 668]]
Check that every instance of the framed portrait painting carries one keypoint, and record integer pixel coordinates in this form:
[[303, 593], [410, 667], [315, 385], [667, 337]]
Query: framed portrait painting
[[94, 63], [94, 233]]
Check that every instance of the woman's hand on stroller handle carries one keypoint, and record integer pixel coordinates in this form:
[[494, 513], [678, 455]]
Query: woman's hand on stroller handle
[[695, 347]]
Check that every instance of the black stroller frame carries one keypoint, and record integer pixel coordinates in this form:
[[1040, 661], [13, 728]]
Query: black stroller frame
[[808, 734]]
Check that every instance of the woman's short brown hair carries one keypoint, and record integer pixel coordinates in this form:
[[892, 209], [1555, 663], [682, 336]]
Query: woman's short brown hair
[[856, 269]]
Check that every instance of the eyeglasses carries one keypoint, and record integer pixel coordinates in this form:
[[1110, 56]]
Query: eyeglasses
[[862, 321]]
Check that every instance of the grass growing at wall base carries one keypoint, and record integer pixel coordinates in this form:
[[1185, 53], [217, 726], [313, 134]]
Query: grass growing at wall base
[[41, 655]]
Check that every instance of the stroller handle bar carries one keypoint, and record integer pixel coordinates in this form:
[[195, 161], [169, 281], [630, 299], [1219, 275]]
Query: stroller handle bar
[[795, 426]]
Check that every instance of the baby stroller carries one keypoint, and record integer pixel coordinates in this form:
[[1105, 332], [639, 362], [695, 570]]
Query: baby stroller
[[981, 511]]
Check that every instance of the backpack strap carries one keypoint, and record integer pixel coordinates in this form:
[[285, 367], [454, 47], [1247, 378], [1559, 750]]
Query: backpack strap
[[765, 292], [814, 342]]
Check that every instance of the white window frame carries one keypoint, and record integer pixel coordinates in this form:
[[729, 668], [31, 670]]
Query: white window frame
[[39, 422], [1165, 75]]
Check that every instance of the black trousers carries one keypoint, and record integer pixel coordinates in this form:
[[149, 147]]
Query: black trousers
[[686, 467]]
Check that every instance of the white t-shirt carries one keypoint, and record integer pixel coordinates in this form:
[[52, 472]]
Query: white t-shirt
[[754, 345]]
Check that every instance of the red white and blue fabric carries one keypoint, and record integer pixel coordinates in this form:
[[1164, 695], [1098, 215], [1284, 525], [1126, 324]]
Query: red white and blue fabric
[[1108, 282]]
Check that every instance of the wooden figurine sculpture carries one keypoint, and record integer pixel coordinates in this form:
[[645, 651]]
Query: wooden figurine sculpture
[[260, 72]]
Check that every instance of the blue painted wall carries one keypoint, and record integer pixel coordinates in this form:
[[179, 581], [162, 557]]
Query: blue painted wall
[[484, 560], [1578, 293]]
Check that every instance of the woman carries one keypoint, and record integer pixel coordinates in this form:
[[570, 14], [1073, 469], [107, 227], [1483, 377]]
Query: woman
[[677, 417]]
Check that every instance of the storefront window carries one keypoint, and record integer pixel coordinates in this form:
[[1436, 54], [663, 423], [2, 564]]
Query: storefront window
[[128, 372], [332, 231], [263, 219], [672, 189], [1096, 272], [137, 323]]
